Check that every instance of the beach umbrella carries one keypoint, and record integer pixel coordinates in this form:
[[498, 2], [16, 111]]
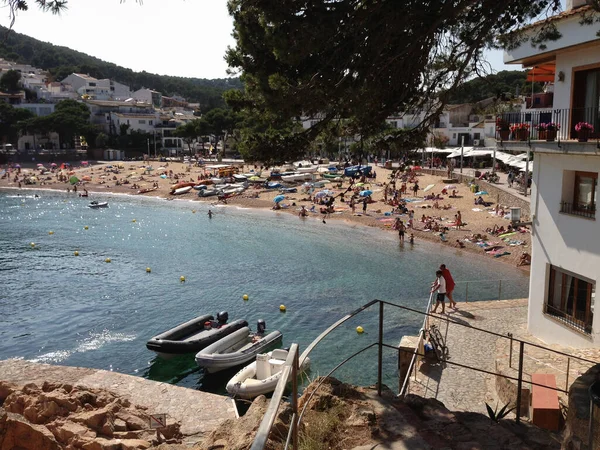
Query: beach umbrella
[[86, 178], [84, 163], [18, 166], [279, 198], [417, 167], [40, 165], [481, 193], [365, 193], [428, 187], [73, 180], [53, 165], [163, 176], [450, 186]]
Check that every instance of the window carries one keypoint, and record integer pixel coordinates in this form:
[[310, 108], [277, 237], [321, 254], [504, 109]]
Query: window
[[579, 193], [476, 135], [586, 99], [570, 299], [92, 84], [142, 122], [150, 122]]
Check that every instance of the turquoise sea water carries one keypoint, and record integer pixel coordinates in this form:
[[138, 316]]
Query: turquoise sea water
[[59, 308]]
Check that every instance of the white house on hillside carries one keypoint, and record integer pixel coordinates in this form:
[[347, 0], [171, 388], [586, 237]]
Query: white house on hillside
[[565, 265]]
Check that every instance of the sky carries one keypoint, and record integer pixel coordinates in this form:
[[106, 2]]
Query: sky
[[185, 38]]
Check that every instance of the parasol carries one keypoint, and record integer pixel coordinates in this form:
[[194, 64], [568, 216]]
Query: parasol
[[365, 193], [481, 193], [279, 198], [73, 180], [430, 186]]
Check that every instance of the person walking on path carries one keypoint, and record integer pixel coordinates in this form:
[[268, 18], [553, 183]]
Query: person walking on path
[[365, 206], [449, 285], [439, 285]]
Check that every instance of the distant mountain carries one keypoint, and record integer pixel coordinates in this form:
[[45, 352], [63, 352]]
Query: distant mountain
[[62, 61]]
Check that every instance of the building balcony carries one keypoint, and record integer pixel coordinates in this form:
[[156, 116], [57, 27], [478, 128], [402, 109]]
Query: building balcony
[[532, 129], [587, 211]]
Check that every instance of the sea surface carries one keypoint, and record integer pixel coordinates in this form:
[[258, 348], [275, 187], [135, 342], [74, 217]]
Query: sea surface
[[59, 308]]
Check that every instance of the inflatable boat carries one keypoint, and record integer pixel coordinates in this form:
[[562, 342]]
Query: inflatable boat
[[96, 205], [261, 376], [194, 335], [238, 348]]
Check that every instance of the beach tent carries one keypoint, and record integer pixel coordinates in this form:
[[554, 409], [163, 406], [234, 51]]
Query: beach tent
[[73, 180]]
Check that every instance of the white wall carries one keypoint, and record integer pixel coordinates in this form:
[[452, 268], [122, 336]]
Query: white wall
[[572, 34], [565, 241], [564, 63]]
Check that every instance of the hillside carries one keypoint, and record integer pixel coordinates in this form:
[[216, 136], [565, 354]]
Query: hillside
[[505, 83], [62, 61]]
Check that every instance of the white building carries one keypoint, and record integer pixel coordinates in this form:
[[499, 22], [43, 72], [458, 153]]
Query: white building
[[39, 109], [101, 110], [90, 87], [148, 96], [144, 122], [565, 263]]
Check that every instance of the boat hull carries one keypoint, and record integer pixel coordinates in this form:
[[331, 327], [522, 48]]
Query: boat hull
[[236, 349], [191, 337]]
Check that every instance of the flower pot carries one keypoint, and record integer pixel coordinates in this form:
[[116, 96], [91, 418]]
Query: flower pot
[[550, 135], [583, 135], [504, 134], [542, 134], [522, 135]]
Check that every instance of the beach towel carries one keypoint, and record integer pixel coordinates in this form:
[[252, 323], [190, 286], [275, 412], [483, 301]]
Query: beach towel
[[507, 234], [501, 254], [476, 209]]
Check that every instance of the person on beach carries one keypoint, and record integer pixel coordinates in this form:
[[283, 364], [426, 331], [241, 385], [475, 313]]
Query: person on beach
[[439, 285], [401, 231], [365, 205], [412, 238], [210, 214], [303, 212], [449, 284], [415, 189]]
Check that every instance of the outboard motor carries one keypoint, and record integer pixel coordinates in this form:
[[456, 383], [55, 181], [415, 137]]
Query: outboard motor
[[261, 326], [222, 317]]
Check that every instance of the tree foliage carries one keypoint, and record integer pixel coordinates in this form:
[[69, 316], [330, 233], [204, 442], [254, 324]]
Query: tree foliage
[[10, 81], [365, 61], [11, 120], [62, 61]]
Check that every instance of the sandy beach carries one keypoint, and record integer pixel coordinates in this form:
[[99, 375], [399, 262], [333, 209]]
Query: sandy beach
[[477, 218]]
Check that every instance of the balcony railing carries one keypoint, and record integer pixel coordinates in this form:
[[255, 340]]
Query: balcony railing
[[575, 209], [567, 119], [575, 320]]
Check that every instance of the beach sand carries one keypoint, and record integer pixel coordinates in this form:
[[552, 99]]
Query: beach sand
[[257, 197]]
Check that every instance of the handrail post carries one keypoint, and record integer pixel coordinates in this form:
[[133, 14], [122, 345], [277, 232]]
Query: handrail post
[[568, 367], [520, 381], [380, 356], [294, 423], [510, 350]]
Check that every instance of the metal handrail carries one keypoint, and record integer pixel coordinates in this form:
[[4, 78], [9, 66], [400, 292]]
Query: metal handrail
[[416, 351], [290, 367], [293, 363]]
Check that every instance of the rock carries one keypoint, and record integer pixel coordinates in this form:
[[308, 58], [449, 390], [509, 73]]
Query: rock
[[61, 399], [94, 419], [133, 422], [133, 444], [120, 425], [107, 429], [17, 433], [102, 444], [5, 390], [67, 431]]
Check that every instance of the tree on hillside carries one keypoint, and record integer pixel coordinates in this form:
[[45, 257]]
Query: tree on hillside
[[189, 132], [220, 122], [10, 82], [366, 60], [12, 122], [502, 86]]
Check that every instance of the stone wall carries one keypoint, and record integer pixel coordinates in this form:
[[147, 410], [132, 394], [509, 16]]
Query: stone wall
[[507, 391], [496, 195], [578, 413]]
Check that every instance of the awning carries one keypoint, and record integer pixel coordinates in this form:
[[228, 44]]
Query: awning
[[543, 73]]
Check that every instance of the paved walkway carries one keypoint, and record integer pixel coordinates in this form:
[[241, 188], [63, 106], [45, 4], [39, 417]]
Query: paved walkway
[[462, 389], [516, 190]]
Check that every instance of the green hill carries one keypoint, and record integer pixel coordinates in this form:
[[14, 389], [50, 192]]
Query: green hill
[[62, 61], [502, 84]]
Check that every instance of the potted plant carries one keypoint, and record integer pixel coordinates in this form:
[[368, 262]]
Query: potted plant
[[548, 130], [503, 128], [520, 130], [583, 131]]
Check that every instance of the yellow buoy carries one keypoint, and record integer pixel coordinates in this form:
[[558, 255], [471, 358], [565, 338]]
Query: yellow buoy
[[182, 278], [360, 330], [76, 253], [50, 232], [148, 270], [32, 244], [86, 227], [133, 220], [245, 296], [107, 260], [282, 308]]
